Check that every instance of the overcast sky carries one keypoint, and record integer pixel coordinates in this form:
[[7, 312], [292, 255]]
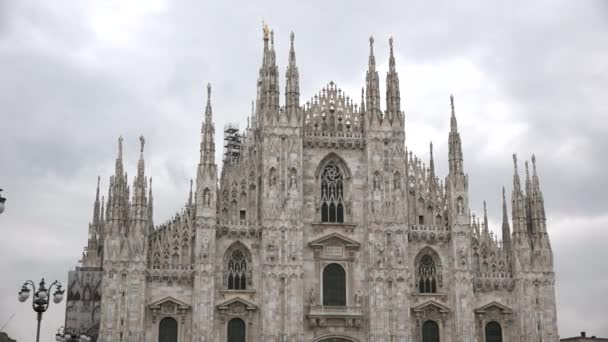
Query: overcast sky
[[527, 78]]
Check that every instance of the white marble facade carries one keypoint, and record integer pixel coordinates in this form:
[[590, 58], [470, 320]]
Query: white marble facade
[[324, 227]]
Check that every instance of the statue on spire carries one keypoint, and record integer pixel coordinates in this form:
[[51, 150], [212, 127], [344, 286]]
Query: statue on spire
[[266, 30], [142, 142]]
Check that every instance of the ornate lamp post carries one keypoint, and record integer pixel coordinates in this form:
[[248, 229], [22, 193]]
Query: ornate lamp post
[[40, 301], [2, 201], [71, 335]]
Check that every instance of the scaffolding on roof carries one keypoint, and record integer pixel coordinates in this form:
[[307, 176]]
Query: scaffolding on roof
[[232, 144]]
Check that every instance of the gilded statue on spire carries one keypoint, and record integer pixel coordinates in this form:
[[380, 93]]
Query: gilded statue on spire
[[266, 30]]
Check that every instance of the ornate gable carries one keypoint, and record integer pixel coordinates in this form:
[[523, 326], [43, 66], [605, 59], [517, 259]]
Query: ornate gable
[[236, 306], [430, 306], [334, 246], [493, 306], [334, 239], [168, 306]]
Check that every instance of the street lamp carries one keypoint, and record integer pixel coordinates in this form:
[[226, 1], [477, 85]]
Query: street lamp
[[71, 335], [2, 201], [40, 302]]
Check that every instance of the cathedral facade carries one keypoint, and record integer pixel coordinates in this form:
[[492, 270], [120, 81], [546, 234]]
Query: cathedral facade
[[320, 227]]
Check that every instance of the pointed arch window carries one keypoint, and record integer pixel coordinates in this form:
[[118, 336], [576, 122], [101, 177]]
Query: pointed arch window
[[237, 272], [427, 275], [332, 194]]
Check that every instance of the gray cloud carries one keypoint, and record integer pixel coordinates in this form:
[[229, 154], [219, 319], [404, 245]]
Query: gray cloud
[[528, 78]]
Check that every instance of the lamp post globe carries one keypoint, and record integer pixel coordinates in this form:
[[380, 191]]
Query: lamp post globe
[[40, 300]]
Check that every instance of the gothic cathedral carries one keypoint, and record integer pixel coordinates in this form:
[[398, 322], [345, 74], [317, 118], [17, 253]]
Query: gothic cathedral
[[319, 227]]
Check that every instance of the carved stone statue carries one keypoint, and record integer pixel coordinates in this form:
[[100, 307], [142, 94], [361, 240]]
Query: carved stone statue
[[205, 248], [293, 253], [272, 251], [460, 205], [380, 253], [293, 184], [311, 296], [206, 198], [358, 298], [398, 254]]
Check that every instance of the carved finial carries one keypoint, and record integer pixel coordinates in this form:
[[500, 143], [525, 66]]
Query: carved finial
[[390, 43], [142, 141], [527, 170], [371, 41], [208, 90], [534, 163], [291, 37], [503, 195], [515, 162]]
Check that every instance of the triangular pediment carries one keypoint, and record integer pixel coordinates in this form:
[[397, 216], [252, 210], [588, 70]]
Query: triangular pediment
[[494, 306], [168, 300], [432, 304], [334, 239], [238, 301]]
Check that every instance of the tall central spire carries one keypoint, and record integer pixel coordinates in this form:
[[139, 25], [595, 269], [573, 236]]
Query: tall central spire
[[208, 133], [506, 230], [372, 89], [268, 81], [455, 144], [393, 96], [292, 84]]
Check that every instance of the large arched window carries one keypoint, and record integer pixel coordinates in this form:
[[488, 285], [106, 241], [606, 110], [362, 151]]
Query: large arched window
[[493, 332], [430, 332], [237, 273], [332, 194], [427, 275], [334, 285], [236, 330], [167, 330]]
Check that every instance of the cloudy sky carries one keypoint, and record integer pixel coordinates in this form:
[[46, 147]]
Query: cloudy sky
[[528, 78]]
